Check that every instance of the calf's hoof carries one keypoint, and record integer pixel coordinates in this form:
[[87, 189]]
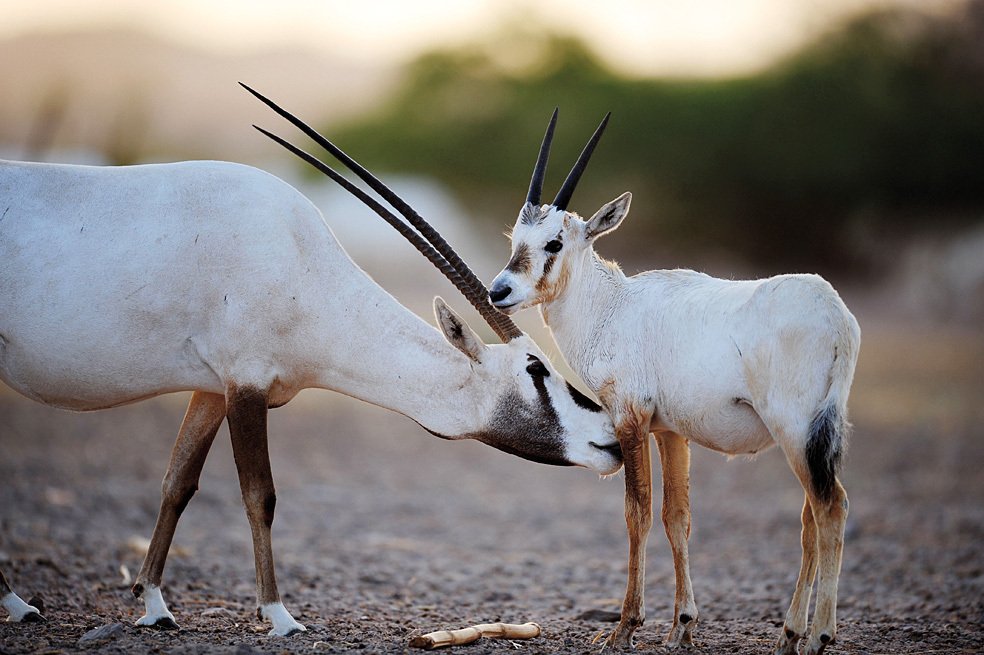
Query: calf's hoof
[[788, 642], [681, 633], [818, 644], [621, 638]]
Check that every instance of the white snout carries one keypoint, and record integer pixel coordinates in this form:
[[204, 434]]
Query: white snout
[[602, 453], [602, 458], [509, 293]]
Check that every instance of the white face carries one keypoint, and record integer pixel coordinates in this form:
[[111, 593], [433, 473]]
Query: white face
[[542, 240], [545, 241], [539, 416]]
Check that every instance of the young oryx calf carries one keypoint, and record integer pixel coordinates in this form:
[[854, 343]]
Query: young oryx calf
[[735, 366], [122, 283]]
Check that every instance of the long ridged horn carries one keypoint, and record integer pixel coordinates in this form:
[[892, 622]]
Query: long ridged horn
[[436, 249], [540, 170], [564, 195]]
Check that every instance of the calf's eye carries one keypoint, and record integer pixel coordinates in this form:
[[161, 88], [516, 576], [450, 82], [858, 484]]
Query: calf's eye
[[553, 246]]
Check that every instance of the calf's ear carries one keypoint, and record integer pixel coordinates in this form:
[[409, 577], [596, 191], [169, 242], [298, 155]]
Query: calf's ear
[[609, 217]]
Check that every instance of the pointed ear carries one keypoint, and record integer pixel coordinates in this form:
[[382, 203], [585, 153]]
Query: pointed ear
[[457, 332], [609, 216]]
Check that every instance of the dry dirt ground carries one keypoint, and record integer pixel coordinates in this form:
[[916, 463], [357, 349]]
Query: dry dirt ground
[[383, 532]]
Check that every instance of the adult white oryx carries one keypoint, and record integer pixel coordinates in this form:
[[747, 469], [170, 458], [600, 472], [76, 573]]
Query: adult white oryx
[[122, 283], [735, 366]]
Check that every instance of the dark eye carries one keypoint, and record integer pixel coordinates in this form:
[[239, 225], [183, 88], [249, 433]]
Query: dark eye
[[553, 246], [537, 369]]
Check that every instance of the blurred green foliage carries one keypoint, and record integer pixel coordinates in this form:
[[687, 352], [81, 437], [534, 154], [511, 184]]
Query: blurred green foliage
[[876, 129]]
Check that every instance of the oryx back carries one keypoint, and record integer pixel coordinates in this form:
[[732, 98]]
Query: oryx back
[[151, 272]]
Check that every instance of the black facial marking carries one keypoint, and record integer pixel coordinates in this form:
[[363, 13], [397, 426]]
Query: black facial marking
[[541, 390], [548, 264], [583, 401], [536, 367]]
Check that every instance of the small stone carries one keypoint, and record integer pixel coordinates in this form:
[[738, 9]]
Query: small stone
[[102, 633]]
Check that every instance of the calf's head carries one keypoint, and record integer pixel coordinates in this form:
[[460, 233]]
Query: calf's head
[[548, 241]]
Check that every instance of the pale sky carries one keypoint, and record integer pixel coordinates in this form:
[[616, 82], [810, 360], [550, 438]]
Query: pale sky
[[688, 37]]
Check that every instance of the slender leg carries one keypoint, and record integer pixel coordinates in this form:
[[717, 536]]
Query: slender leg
[[830, 518], [18, 610], [202, 420], [247, 413], [633, 435], [794, 627], [674, 452]]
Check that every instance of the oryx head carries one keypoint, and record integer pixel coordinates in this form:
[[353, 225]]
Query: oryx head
[[548, 240], [525, 407], [521, 405]]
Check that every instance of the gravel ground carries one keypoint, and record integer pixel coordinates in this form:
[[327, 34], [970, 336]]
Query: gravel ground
[[383, 532]]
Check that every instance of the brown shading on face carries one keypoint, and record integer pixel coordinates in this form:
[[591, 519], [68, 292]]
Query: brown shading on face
[[547, 290], [521, 263]]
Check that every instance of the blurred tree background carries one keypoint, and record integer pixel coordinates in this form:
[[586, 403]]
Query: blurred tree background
[[872, 133]]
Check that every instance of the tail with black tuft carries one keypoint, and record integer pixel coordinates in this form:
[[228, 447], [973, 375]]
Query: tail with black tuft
[[824, 449]]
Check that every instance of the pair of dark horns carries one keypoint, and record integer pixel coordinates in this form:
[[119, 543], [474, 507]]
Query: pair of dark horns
[[563, 197], [429, 242]]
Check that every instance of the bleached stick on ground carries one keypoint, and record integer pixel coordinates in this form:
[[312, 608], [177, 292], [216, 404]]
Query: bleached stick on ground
[[443, 638]]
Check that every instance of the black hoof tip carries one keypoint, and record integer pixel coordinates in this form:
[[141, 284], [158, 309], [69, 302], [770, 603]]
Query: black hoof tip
[[37, 602], [295, 631], [33, 617], [165, 623]]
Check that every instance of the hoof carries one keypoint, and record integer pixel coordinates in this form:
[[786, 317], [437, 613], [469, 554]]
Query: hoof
[[284, 624], [681, 633], [684, 641], [33, 617], [297, 628], [817, 646], [788, 643], [37, 602], [619, 640], [163, 623]]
